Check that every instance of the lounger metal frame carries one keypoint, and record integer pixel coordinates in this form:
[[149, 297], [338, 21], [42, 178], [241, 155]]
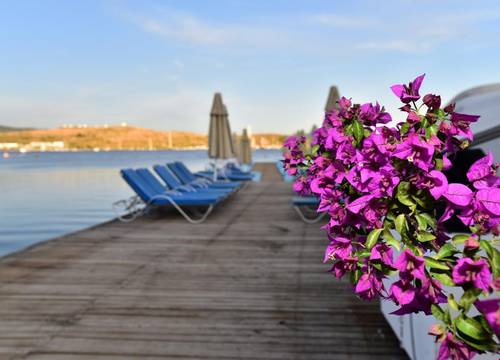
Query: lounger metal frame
[[306, 219], [135, 210]]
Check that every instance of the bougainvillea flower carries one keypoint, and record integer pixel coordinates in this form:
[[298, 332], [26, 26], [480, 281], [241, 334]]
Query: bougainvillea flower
[[446, 163], [483, 174], [433, 102], [439, 184], [342, 266], [294, 141], [371, 114], [458, 194], [355, 172], [425, 296], [489, 199], [410, 264], [481, 168], [403, 292], [335, 137], [369, 285], [339, 248], [491, 311], [460, 124], [408, 93], [471, 243], [415, 150], [468, 271], [360, 203], [451, 348], [383, 253]]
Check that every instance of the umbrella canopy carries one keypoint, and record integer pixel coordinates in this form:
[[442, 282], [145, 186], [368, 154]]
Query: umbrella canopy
[[236, 145], [220, 142], [245, 151], [333, 97]]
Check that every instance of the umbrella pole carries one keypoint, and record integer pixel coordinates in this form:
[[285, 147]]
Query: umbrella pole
[[215, 170]]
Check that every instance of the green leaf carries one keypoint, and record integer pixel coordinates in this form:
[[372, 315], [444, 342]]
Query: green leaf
[[487, 247], [391, 240], [452, 303], [372, 238], [423, 199], [484, 323], [446, 251], [468, 298], [481, 345], [437, 312], [424, 236], [440, 314], [422, 221], [404, 128], [403, 196], [443, 278], [431, 221], [439, 164], [363, 253], [435, 264], [315, 149], [460, 238], [495, 263], [357, 130], [471, 328], [355, 275], [401, 224]]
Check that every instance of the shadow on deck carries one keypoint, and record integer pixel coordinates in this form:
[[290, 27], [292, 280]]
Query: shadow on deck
[[246, 284]]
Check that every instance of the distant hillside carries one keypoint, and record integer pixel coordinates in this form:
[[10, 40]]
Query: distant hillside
[[112, 138], [123, 138], [10, 128], [268, 140]]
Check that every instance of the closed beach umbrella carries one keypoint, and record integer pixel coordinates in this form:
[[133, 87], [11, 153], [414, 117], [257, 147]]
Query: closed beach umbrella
[[236, 145], [333, 97], [220, 142], [245, 151]]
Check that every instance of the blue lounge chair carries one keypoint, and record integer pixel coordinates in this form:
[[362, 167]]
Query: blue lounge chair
[[225, 174], [166, 175], [306, 207], [153, 194], [188, 178], [281, 169]]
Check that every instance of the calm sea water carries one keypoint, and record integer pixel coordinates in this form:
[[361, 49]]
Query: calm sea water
[[44, 195]]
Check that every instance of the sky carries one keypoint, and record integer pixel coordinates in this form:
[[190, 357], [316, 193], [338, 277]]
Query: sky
[[157, 64]]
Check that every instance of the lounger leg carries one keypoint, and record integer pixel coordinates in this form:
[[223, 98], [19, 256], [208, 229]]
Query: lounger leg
[[131, 209], [307, 220], [190, 219]]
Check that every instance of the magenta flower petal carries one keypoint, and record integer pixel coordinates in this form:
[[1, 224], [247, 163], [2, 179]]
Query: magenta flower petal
[[357, 205], [458, 194], [398, 90], [491, 311], [440, 184], [404, 293], [477, 273], [415, 84], [490, 199], [452, 348], [481, 168]]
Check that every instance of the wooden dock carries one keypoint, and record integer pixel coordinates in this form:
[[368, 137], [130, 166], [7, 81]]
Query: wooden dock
[[246, 284]]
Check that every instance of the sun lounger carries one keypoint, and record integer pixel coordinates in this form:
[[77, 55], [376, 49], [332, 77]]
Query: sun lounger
[[225, 174], [188, 178], [306, 207], [153, 194], [174, 183]]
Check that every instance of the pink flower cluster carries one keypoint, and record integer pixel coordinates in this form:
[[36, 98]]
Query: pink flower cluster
[[381, 186]]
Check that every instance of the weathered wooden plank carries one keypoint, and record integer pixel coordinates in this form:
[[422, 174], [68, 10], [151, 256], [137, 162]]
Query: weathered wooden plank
[[247, 284]]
